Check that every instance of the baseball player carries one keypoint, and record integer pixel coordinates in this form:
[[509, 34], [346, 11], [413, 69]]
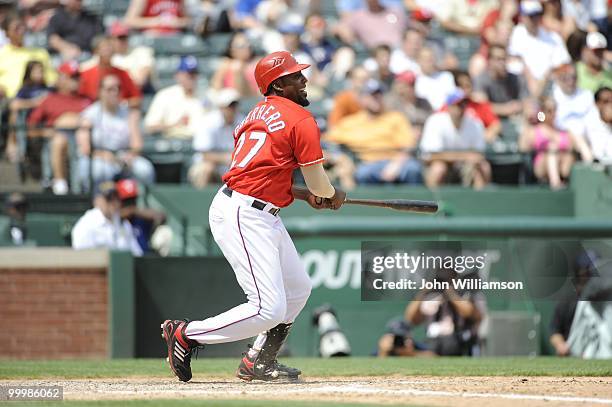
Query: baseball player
[[275, 138]]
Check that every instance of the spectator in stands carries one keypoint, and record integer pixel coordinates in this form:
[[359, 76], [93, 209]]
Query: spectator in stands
[[539, 49], [599, 127], [591, 70], [138, 62], [244, 14], [72, 29], [480, 109], [14, 58], [378, 65], [211, 16], [465, 17], [157, 17], [432, 84], [93, 73], [176, 111], [453, 143], [148, 224], [107, 135], [59, 113], [237, 68], [573, 104], [316, 42], [403, 98], [102, 227], [563, 316], [347, 102], [214, 141], [383, 140], [496, 31], [451, 318], [406, 58], [16, 208], [553, 148], [585, 15], [6, 8], [33, 91], [506, 91], [373, 25]]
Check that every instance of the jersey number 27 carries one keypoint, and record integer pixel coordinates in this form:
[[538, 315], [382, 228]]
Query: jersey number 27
[[259, 136]]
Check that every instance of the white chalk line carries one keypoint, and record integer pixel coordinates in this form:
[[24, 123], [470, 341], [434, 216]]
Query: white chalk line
[[353, 389]]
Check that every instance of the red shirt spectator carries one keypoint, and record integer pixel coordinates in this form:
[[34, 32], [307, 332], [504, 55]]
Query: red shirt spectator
[[64, 100], [90, 82], [92, 75], [157, 17]]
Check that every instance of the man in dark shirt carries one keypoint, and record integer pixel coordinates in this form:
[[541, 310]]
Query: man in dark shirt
[[71, 30], [563, 316], [506, 92]]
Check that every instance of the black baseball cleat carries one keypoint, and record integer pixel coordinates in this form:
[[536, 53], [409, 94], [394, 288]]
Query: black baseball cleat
[[179, 348], [249, 369]]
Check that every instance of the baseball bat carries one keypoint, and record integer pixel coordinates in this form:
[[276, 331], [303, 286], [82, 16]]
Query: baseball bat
[[409, 205]]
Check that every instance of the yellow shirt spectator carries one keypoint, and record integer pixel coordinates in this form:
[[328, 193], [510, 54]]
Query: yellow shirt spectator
[[13, 61], [374, 137]]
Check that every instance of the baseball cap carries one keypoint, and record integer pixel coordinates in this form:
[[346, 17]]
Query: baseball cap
[[188, 63], [119, 29], [127, 188], [422, 15], [596, 40], [372, 86], [70, 68], [107, 189], [225, 97], [531, 7], [407, 77], [455, 97], [294, 24]]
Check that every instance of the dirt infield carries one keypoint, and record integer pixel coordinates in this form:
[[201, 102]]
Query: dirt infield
[[430, 390]]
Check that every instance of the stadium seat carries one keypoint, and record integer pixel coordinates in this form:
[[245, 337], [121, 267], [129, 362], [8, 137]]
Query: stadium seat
[[216, 44], [116, 7]]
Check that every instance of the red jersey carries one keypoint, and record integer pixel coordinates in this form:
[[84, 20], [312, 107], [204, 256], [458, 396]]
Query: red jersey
[[163, 8], [90, 82], [275, 138], [54, 105]]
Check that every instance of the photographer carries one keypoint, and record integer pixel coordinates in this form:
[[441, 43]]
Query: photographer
[[398, 341], [451, 318]]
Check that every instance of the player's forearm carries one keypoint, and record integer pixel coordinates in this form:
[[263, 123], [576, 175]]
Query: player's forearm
[[317, 181]]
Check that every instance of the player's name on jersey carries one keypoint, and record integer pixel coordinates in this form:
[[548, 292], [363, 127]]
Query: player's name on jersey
[[267, 114], [459, 284]]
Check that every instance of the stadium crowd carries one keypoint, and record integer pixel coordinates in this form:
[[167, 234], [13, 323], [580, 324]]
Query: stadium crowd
[[408, 91]]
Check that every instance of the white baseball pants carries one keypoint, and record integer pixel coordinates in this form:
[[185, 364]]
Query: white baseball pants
[[267, 267]]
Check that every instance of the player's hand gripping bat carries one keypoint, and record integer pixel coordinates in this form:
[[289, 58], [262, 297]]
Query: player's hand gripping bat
[[409, 205]]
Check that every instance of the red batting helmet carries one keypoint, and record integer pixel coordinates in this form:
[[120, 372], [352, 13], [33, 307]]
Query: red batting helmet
[[273, 66]]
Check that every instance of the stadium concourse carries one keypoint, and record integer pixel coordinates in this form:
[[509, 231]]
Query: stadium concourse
[[116, 126]]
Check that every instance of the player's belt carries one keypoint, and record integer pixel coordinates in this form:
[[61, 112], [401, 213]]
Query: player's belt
[[256, 204]]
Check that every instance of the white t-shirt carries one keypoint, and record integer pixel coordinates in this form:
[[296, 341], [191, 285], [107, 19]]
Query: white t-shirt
[[93, 230], [110, 131], [171, 106], [540, 53], [440, 134], [400, 62], [137, 59], [599, 135], [435, 88], [572, 110], [215, 134]]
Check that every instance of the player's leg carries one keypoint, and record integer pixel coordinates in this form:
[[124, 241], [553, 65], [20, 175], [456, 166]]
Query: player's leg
[[249, 240], [297, 286]]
